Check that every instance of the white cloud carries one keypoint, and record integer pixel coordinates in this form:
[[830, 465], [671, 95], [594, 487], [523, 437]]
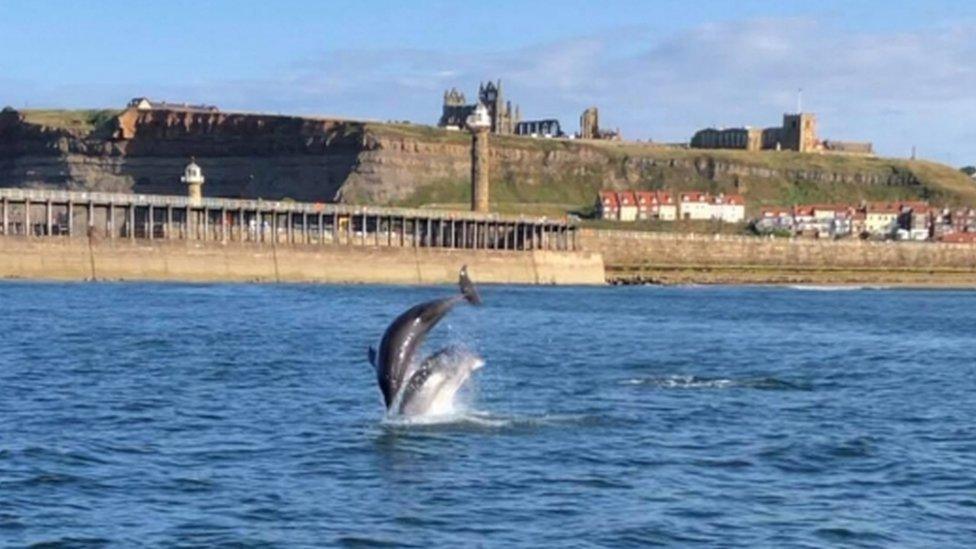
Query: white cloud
[[895, 89]]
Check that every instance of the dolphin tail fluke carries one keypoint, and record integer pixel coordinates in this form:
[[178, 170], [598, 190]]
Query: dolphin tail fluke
[[467, 287]]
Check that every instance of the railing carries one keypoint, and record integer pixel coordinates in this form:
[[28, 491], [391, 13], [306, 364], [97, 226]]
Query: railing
[[126, 199]]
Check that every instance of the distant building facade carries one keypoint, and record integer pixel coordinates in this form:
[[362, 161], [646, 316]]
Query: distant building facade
[[456, 109], [665, 206], [146, 104], [749, 139], [906, 220], [539, 128], [656, 205]]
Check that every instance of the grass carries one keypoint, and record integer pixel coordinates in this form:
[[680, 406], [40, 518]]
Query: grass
[[80, 121], [559, 173], [560, 176]]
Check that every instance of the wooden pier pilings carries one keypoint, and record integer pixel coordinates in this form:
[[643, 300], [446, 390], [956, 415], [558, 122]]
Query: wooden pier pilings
[[49, 213]]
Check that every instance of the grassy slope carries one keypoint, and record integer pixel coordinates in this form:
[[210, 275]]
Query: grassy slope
[[574, 189], [79, 121], [555, 192]]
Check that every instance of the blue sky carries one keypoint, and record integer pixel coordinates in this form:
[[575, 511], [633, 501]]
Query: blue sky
[[897, 73]]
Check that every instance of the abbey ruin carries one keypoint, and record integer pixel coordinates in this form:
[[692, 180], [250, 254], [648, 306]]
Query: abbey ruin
[[506, 120]]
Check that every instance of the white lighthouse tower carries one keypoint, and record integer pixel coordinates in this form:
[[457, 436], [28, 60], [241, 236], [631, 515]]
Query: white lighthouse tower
[[478, 124], [193, 177]]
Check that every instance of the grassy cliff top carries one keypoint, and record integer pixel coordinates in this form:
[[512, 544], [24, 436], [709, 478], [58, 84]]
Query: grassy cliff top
[[80, 121], [581, 168], [574, 170]]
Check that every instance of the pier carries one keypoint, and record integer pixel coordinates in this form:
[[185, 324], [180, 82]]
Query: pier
[[53, 214]]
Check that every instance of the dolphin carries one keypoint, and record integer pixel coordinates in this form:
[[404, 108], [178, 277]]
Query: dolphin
[[394, 362], [435, 382]]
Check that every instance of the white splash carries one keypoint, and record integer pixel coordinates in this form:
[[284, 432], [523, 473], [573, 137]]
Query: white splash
[[434, 386]]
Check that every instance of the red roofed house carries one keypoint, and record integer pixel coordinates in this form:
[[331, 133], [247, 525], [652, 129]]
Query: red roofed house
[[729, 208], [774, 218], [964, 220], [656, 205], [805, 220], [628, 205], [882, 218], [608, 206], [695, 205], [644, 202]]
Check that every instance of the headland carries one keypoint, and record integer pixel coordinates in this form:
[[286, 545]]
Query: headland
[[425, 172]]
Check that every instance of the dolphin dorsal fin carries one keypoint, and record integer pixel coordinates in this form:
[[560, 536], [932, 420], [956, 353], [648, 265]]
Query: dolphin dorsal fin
[[372, 356], [467, 287]]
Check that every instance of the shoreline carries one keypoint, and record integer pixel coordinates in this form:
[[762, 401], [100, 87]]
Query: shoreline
[[792, 276]]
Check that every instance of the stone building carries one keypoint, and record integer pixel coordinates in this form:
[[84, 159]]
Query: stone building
[[590, 123], [146, 104], [750, 139], [456, 110], [590, 126], [797, 133]]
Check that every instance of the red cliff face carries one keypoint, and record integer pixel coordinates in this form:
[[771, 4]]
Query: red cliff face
[[145, 151]]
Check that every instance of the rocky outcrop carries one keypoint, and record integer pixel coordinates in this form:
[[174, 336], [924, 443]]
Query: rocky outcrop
[[252, 155]]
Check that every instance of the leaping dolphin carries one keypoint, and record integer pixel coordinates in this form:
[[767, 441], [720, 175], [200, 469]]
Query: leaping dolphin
[[432, 386], [394, 362]]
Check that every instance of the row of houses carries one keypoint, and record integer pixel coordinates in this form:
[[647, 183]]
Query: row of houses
[[906, 220], [668, 206]]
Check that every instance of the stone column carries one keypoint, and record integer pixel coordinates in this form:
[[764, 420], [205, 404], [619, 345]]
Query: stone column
[[479, 169], [48, 213]]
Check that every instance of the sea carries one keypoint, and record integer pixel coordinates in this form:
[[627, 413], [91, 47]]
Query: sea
[[236, 415]]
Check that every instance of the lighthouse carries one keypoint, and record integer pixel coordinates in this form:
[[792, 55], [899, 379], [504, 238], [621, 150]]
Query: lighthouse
[[193, 177], [479, 124]]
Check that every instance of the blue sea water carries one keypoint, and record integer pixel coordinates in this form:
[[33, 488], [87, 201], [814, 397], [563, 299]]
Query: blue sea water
[[247, 415]]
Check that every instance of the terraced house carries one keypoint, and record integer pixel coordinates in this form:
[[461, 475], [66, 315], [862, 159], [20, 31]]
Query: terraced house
[[662, 205]]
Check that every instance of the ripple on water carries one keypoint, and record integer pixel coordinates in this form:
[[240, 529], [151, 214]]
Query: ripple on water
[[236, 415], [680, 381]]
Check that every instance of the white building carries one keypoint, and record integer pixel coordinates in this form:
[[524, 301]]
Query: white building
[[628, 205], [694, 206], [730, 209]]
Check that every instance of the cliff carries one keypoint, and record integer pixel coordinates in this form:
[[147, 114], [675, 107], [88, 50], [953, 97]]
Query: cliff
[[256, 155]]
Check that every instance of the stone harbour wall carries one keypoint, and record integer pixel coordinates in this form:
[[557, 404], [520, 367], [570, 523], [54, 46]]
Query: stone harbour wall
[[626, 248], [194, 261]]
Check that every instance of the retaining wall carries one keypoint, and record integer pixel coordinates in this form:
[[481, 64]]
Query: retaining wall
[[632, 248], [194, 261]]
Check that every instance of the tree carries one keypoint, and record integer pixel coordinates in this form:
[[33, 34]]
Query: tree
[[968, 170]]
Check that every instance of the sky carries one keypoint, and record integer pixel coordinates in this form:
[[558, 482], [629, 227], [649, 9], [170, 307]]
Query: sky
[[898, 73]]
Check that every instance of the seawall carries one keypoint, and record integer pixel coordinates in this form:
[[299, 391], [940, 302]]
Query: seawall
[[677, 258], [194, 261]]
